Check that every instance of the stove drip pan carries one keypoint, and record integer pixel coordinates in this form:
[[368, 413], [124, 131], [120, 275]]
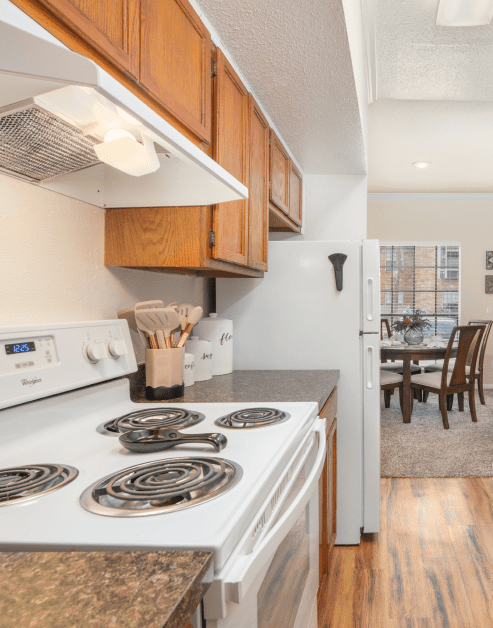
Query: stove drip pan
[[29, 481], [154, 418], [253, 417], [161, 486]]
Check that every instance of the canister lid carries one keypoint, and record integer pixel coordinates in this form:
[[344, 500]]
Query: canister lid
[[212, 318]]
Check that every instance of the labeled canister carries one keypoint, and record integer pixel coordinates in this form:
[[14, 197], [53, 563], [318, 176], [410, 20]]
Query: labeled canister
[[202, 352], [220, 332], [188, 369]]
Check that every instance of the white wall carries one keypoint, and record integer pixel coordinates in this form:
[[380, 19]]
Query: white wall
[[468, 221], [356, 39], [334, 208], [52, 268]]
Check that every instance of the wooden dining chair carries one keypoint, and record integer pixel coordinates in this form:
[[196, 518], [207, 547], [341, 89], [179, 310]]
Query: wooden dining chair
[[384, 323], [457, 382], [479, 373], [389, 381]]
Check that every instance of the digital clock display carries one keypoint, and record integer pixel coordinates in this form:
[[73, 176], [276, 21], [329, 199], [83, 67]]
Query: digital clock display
[[21, 347]]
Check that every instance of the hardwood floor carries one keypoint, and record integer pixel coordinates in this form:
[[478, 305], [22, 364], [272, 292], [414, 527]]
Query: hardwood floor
[[431, 566]]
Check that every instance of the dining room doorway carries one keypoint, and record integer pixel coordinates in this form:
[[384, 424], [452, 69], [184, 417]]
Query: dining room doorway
[[425, 278]]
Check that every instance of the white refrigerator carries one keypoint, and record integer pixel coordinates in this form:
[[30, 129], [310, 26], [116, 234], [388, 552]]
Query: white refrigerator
[[296, 319]]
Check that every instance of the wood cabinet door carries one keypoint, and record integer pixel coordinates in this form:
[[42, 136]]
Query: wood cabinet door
[[328, 503], [295, 193], [175, 62], [331, 485], [328, 486], [258, 200], [111, 27], [230, 222], [279, 174]]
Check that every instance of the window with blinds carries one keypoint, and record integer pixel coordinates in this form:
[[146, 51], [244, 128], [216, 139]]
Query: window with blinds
[[422, 279]]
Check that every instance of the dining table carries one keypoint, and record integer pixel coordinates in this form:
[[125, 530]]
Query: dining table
[[408, 354]]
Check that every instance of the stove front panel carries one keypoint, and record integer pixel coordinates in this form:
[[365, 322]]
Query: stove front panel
[[42, 360]]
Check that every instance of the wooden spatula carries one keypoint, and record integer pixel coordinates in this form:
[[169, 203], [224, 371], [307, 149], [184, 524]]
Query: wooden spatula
[[147, 305], [129, 315], [184, 310], [169, 322], [192, 319], [148, 321]]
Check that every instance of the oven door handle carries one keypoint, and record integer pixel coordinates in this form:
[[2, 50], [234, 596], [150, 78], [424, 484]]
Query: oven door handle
[[246, 568]]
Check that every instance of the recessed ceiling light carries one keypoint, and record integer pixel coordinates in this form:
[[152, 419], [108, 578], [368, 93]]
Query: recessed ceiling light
[[422, 164], [464, 12]]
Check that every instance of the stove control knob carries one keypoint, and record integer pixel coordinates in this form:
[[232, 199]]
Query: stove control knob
[[96, 351], [117, 348]]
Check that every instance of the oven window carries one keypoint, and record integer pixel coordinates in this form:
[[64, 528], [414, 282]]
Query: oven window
[[280, 594]]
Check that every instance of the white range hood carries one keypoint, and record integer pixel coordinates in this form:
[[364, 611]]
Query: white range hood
[[57, 106]]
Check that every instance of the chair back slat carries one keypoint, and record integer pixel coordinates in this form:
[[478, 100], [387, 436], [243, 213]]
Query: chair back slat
[[484, 342], [384, 323], [468, 334]]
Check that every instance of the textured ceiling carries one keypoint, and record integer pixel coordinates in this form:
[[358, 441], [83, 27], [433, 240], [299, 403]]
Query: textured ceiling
[[456, 137], [416, 59], [295, 56], [434, 102]]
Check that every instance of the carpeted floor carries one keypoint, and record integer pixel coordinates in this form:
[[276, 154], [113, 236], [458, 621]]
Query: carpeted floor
[[423, 449]]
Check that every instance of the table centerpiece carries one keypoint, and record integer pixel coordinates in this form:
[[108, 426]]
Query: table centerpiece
[[412, 326]]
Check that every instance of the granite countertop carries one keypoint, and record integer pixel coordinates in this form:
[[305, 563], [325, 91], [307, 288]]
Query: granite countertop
[[102, 589], [250, 387]]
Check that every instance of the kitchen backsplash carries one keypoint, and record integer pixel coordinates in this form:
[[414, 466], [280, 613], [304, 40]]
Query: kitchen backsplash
[[52, 263]]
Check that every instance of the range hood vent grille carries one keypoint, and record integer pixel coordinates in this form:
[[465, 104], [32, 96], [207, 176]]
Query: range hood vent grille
[[36, 145]]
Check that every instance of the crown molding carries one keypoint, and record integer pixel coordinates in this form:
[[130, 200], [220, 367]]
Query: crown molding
[[447, 196], [369, 34]]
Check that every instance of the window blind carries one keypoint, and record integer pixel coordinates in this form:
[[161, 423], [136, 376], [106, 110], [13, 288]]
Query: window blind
[[422, 279]]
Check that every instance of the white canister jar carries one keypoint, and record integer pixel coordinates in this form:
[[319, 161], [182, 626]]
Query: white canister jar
[[188, 369], [202, 352], [220, 332]]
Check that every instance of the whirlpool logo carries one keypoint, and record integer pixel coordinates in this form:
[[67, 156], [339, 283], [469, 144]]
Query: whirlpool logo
[[30, 382]]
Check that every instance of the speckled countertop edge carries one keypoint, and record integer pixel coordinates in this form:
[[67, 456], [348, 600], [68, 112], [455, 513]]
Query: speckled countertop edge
[[250, 387], [102, 589]]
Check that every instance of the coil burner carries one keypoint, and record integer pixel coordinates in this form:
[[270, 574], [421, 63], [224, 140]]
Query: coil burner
[[154, 418], [29, 481], [253, 417], [160, 487]]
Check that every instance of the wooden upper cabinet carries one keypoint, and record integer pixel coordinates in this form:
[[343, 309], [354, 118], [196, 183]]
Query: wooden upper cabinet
[[175, 62], [279, 174], [110, 27], [258, 201], [286, 192], [295, 193], [230, 222]]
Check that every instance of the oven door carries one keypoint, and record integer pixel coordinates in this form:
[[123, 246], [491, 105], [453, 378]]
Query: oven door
[[271, 580]]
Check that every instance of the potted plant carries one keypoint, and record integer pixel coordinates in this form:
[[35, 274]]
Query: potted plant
[[412, 326]]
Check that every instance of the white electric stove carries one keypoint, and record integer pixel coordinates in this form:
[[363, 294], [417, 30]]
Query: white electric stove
[[246, 490]]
